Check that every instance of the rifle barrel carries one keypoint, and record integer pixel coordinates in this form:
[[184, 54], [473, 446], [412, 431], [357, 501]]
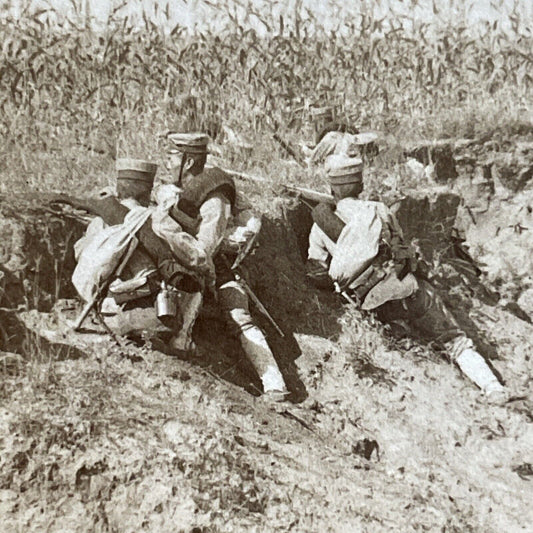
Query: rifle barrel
[[304, 192], [311, 194], [288, 148], [257, 302]]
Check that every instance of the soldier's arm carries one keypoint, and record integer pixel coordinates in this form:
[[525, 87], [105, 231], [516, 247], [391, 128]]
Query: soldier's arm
[[184, 247], [318, 258], [326, 146], [215, 215]]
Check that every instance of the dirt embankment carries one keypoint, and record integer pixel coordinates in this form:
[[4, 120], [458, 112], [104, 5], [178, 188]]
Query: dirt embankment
[[383, 434], [493, 178]]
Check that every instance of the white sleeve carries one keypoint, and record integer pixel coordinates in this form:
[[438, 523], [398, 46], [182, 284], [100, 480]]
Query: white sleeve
[[318, 245], [215, 214], [326, 146], [185, 248]]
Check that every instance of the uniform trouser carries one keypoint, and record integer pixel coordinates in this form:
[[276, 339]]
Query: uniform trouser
[[234, 302], [190, 304], [427, 313]]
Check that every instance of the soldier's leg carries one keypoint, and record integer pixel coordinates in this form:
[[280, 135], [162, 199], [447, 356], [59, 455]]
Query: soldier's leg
[[234, 302], [140, 316], [426, 311], [135, 321], [190, 304]]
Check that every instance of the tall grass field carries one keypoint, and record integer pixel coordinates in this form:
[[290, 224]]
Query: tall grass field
[[75, 92], [107, 436]]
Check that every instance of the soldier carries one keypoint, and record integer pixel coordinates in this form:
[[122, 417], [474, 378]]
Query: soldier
[[358, 247], [334, 137], [206, 201], [136, 250]]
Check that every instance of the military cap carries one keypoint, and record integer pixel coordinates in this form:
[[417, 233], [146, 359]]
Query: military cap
[[188, 143], [342, 170], [136, 169], [365, 137]]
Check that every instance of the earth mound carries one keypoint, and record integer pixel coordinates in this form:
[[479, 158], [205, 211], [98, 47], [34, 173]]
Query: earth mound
[[382, 433]]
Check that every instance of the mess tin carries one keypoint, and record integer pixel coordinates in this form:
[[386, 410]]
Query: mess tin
[[166, 303]]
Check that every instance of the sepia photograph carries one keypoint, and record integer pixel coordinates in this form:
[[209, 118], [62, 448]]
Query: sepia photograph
[[266, 266]]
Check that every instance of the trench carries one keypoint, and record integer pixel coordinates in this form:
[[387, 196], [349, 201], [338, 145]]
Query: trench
[[37, 260]]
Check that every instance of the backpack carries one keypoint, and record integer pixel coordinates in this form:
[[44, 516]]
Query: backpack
[[103, 249]]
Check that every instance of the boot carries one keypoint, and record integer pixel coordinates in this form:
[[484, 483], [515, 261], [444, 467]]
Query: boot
[[190, 305], [256, 348], [475, 368]]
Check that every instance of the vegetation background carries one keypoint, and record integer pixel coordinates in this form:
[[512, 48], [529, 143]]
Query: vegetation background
[[74, 86], [122, 439]]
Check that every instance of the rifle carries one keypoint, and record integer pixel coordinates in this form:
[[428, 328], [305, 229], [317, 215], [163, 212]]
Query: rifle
[[245, 251], [303, 192], [275, 126], [289, 149], [93, 301], [257, 302], [247, 289]]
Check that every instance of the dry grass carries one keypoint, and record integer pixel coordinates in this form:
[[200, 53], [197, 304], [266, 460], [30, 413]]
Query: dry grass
[[72, 97], [104, 444]]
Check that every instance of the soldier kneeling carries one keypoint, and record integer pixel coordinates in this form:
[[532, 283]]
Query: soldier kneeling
[[359, 249], [146, 263]]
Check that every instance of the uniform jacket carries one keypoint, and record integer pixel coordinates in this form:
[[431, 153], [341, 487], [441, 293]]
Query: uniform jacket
[[148, 237], [211, 198], [365, 256]]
